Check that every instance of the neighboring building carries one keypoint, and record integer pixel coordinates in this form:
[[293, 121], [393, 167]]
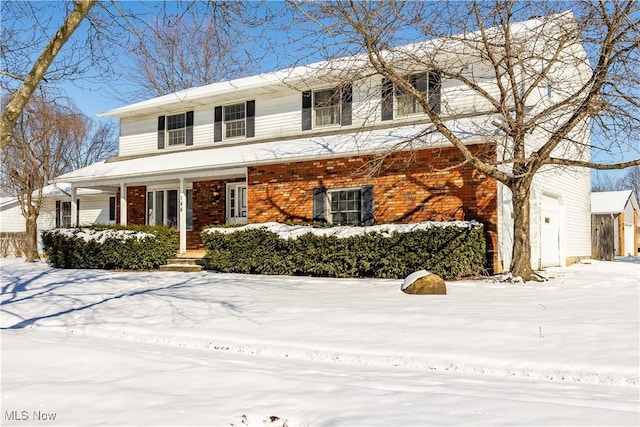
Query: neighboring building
[[619, 211], [94, 206], [295, 146]]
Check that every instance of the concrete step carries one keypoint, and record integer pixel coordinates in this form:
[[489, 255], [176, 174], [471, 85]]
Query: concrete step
[[187, 261], [183, 268]]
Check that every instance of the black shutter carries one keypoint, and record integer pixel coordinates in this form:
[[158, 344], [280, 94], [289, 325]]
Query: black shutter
[[217, 124], [319, 204], [112, 208], [387, 99], [160, 132], [367, 207], [58, 213], [347, 97], [306, 110], [78, 213], [251, 119], [189, 129], [435, 86]]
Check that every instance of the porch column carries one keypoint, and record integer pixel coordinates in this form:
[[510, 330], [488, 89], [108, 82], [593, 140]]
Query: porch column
[[182, 217], [123, 203], [74, 206]]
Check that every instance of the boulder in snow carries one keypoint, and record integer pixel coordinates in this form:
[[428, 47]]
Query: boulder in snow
[[424, 283]]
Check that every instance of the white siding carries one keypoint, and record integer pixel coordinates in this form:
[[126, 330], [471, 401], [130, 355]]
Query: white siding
[[279, 115], [11, 219]]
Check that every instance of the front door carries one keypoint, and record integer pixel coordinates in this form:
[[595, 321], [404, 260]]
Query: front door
[[237, 203]]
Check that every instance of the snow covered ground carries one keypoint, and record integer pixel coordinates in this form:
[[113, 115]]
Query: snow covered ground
[[90, 347]]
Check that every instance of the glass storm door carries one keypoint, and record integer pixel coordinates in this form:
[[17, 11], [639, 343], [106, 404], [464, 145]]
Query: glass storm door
[[237, 203]]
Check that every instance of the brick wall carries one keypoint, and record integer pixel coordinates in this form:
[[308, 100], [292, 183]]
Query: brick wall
[[409, 187], [136, 205], [208, 209]]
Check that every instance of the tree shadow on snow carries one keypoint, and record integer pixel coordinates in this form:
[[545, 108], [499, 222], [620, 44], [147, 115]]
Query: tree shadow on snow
[[74, 302]]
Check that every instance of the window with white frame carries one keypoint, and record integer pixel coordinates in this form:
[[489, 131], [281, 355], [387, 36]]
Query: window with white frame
[[326, 107], [176, 129], [345, 206], [398, 102], [234, 120]]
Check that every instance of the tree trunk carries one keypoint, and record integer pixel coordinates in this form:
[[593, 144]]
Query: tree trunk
[[19, 99], [521, 260], [31, 239]]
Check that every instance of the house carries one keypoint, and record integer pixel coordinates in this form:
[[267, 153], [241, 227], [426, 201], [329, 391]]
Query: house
[[615, 214], [93, 206], [297, 145]]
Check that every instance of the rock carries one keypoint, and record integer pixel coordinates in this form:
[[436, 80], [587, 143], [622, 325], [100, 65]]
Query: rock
[[424, 283]]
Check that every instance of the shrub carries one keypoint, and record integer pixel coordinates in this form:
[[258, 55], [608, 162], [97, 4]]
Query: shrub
[[110, 247], [450, 251]]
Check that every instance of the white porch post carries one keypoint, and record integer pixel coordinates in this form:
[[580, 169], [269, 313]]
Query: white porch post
[[123, 203], [74, 206], [182, 217]]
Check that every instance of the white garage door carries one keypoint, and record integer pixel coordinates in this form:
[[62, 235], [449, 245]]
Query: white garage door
[[550, 245]]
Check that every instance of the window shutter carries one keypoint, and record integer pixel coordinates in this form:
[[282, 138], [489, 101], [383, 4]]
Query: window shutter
[[160, 132], [319, 204], [347, 97], [77, 212], [189, 129], [387, 99], [217, 124], [306, 110], [58, 213], [435, 85], [251, 119], [112, 208], [367, 207]]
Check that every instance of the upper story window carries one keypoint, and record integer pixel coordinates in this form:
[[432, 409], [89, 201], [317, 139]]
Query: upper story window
[[401, 103], [327, 107], [234, 121], [176, 126], [175, 130]]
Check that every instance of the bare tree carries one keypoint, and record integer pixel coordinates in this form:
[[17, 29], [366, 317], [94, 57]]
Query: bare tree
[[51, 137], [630, 180], [20, 98], [188, 45], [504, 68]]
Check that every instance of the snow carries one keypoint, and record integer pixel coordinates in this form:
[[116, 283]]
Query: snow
[[88, 234], [95, 347], [410, 279], [610, 201], [287, 231]]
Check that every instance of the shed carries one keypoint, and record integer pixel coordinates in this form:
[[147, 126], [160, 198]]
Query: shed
[[614, 224]]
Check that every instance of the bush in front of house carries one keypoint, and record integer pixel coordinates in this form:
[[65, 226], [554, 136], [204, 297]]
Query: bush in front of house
[[451, 250], [110, 247]]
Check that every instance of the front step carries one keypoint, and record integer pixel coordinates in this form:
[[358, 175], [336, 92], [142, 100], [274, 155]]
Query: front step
[[184, 265]]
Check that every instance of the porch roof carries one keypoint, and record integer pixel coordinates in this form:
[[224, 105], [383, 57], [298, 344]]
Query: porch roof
[[229, 160]]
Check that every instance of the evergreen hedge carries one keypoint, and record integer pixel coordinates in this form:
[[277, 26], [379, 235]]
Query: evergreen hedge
[[110, 247], [449, 251]]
